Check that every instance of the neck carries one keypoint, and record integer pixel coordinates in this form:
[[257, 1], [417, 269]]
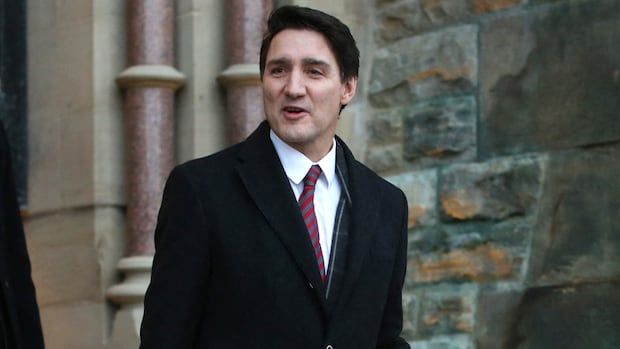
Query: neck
[[314, 153]]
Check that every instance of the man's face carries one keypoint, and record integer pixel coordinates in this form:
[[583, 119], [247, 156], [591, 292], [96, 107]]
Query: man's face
[[303, 91]]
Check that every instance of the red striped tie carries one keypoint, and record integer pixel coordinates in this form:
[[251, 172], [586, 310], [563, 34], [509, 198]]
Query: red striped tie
[[306, 205]]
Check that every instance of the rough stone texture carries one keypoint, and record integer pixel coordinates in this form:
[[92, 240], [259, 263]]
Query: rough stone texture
[[440, 130], [571, 317], [386, 126], [406, 18], [483, 263], [444, 342], [443, 310], [421, 191], [493, 190], [479, 252], [425, 66], [578, 223], [385, 158], [560, 89]]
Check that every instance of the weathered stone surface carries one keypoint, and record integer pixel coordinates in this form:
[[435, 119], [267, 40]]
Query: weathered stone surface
[[383, 158], [482, 263], [444, 309], [421, 191], [551, 78], [405, 18], [440, 130], [481, 251], [568, 317], [496, 307], [425, 66], [578, 222], [458, 341], [386, 126], [493, 190]]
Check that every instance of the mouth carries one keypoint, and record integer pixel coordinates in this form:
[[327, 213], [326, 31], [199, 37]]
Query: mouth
[[294, 112]]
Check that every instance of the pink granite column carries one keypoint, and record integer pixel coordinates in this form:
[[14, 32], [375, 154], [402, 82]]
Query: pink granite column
[[245, 26], [149, 126]]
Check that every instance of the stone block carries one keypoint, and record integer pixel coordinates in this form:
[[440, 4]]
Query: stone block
[[550, 79], [577, 224], [482, 263], [421, 191], [383, 158], [568, 317], [64, 258], [444, 309], [60, 67], [398, 20], [480, 251], [436, 63], [493, 190], [75, 326], [386, 126], [497, 307], [444, 342], [440, 130], [199, 116]]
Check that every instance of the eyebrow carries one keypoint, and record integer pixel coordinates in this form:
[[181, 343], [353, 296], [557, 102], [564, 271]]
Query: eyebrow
[[305, 62], [279, 61]]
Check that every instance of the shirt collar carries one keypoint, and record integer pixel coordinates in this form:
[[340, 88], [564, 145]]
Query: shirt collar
[[296, 165]]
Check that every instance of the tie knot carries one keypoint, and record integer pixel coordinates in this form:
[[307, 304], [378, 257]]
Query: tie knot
[[312, 175]]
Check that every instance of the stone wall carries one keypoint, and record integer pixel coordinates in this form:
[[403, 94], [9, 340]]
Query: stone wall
[[75, 219], [499, 119]]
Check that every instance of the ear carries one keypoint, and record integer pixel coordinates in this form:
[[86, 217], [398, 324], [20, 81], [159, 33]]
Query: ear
[[348, 90]]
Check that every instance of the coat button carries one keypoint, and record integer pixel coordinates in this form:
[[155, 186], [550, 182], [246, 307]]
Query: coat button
[[329, 347], [311, 286]]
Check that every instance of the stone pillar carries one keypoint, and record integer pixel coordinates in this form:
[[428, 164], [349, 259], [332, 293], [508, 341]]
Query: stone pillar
[[149, 84], [245, 25]]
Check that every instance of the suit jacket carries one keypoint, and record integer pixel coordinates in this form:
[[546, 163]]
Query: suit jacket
[[18, 305], [234, 266]]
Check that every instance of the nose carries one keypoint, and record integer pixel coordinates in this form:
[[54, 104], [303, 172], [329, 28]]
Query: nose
[[295, 86]]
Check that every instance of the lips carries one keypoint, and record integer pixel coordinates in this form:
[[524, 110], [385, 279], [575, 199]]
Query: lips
[[293, 109], [294, 112]]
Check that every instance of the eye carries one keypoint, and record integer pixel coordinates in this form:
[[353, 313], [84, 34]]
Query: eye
[[276, 71], [315, 72]]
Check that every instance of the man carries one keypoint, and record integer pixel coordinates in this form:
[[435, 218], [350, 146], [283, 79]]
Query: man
[[284, 240], [20, 327]]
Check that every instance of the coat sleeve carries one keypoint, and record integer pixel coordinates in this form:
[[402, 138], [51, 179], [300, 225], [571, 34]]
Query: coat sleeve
[[176, 295], [392, 323], [18, 285]]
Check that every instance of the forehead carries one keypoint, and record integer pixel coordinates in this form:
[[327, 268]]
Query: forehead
[[300, 43]]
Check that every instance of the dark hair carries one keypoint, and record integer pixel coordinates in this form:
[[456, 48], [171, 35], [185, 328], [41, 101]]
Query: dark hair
[[333, 30]]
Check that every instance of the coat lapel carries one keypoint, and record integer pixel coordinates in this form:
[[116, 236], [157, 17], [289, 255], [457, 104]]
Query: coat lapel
[[364, 219], [266, 182]]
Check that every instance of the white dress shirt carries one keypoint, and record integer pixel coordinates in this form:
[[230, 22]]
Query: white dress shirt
[[326, 192]]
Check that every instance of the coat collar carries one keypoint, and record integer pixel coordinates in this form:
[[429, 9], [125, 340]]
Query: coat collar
[[265, 180]]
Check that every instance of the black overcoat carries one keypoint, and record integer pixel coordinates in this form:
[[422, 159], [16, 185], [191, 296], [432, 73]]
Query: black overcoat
[[18, 296], [234, 266]]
